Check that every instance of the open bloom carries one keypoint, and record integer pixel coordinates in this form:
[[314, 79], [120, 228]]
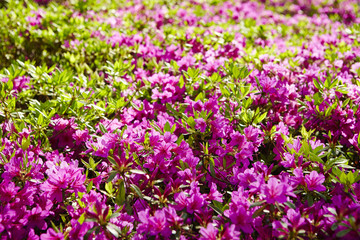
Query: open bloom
[[292, 222], [239, 211], [314, 181], [200, 124], [276, 191], [52, 235], [63, 179], [208, 233]]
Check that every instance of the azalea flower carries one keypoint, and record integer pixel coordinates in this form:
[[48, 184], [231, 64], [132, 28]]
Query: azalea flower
[[314, 181], [208, 233], [276, 191]]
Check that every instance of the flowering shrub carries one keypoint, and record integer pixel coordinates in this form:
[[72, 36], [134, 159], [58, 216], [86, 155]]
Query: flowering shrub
[[179, 119]]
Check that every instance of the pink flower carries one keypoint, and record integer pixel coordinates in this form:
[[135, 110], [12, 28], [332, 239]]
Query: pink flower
[[208, 233], [153, 225], [8, 191], [276, 191], [103, 145], [214, 194], [63, 179], [52, 235], [230, 233], [181, 200], [81, 136], [195, 202], [163, 151], [200, 124], [36, 218], [239, 212], [238, 139], [292, 222], [172, 217], [338, 63], [158, 224], [314, 181], [355, 67], [289, 160]]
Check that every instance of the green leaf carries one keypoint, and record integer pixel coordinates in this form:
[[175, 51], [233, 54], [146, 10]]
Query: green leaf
[[137, 171], [218, 204], [113, 229], [212, 165], [109, 187], [343, 177], [91, 220], [321, 195], [115, 215], [135, 106], [170, 108], [102, 128], [334, 226], [247, 102], [260, 118], [357, 178], [305, 147], [199, 97], [343, 233], [315, 158], [310, 200], [317, 98], [191, 122], [137, 190], [182, 165], [120, 196], [112, 160], [345, 103], [89, 186], [111, 176], [90, 231], [327, 83], [290, 204], [317, 83], [93, 164], [82, 218], [328, 111], [155, 126], [259, 211], [216, 207], [258, 83], [179, 140], [332, 210], [255, 204], [9, 85], [167, 127], [25, 143], [86, 164], [40, 120], [173, 128], [181, 82]]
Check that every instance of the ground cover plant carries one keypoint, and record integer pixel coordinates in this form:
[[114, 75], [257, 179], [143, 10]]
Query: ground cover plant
[[166, 119]]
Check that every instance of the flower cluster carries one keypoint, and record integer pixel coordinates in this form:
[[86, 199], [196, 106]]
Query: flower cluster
[[179, 120]]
